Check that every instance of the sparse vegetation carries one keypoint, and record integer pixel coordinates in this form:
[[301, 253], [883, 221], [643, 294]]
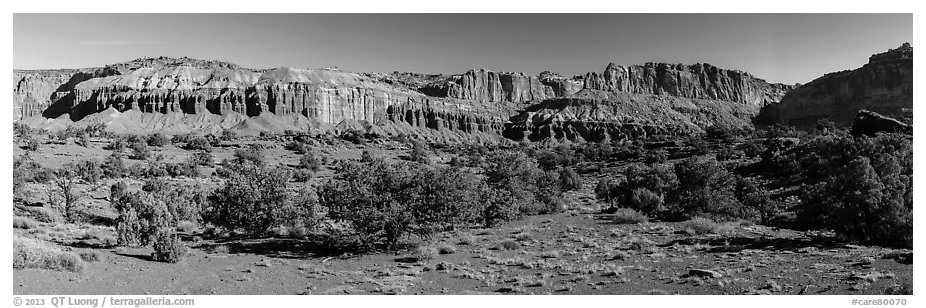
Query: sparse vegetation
[[31, 253]]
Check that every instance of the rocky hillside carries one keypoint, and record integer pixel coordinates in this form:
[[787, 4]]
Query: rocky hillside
[[884, 85], [182, 94]]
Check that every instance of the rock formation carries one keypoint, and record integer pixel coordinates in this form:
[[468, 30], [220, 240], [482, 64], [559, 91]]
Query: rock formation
[[619, 103], [883, 85], [871, 123], [700, 81]]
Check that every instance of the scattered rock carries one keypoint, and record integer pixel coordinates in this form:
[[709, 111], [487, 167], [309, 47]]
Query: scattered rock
[[704, 273]]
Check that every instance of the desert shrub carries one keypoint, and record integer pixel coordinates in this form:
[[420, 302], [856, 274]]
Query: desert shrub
[[24, 223], [90, 255], [723, 132], [202, 158], [700, 226], [253, 200], [30, 253], [569, 179], [182, 138], [29, 144], [508, 245], [551, 159], [514, 175], [699, 146], [548, 193], [297, 146], [618, 192], [25, 169], [168, 247], [157, 140], [64, 189], [113, 166], [82, 140], [420, 152], [859, 204], [117, 144], [752, 148], [303, 175], [646, 201], [629, 216], [456, 162], [446, 249], [184, 202], [252, 155], [367, 156], [141, 216], [89, 171], [229, 135], [197, 143], [308, 161], [385, 201], [447, 197], [140, 150], [705, 188], [592, 151], [118, 190], [655, 157], [860, 187], [187, 168], [752, 195]]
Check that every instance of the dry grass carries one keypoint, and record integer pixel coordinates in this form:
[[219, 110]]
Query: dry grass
[[702, 226], [446, 249], [466, 240], [90, 255], [508, 245], [425, 252], [30, 253], [186, 226], [24, 223], [629, 216]]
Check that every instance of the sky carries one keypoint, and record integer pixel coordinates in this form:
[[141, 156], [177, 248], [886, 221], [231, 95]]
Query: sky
[[787, 48]]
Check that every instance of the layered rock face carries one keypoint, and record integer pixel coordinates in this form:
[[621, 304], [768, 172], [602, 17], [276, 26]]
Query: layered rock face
[[489, 86], [883, 85], [600, 116], [619, 103], [168, 85], [700, 81]]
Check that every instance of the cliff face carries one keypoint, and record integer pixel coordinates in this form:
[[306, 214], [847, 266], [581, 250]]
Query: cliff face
[[619, 103], [489, 86], [883, 85], [195, 87], [699, 81]]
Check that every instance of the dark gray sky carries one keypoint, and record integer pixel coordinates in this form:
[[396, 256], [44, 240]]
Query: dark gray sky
[[778, 47]]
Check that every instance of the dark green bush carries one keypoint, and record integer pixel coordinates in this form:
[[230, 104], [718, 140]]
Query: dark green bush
[[309, 162], [158, 140], [860, 187], [570, 180], [113, 166], [168, 247], [141, 216], [420, 152], [253, 155], [383, 201], [140, 150], [197, 143], [254, 200]]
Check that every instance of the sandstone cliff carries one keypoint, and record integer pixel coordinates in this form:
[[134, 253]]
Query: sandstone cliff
[[883, 85], [178, 94], [196, 87]]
